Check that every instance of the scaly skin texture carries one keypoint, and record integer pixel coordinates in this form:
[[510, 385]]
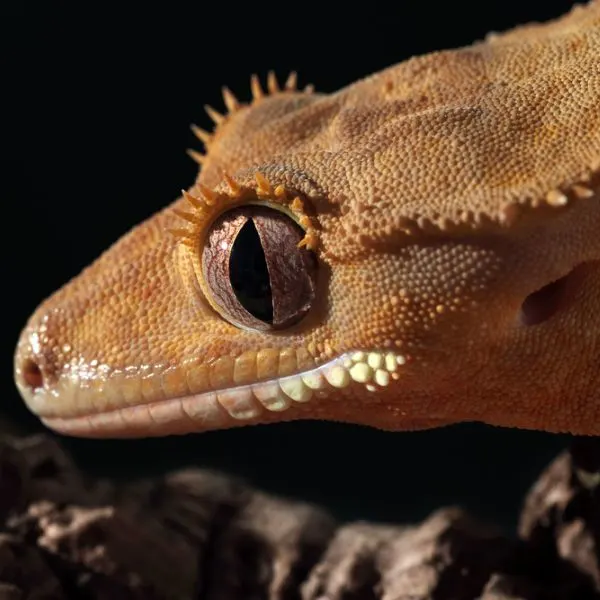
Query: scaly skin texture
[[438, 196]]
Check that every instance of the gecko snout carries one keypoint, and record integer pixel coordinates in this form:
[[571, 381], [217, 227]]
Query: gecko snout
[[38, 361], [29, 375]]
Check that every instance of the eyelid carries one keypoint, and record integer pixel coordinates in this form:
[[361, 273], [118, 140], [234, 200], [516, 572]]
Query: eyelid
[[208, 204]]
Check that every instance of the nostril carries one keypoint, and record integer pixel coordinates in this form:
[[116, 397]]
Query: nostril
[[32, 374]]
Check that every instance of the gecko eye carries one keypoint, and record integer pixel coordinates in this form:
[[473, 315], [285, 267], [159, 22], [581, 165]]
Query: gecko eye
[[255, 272]]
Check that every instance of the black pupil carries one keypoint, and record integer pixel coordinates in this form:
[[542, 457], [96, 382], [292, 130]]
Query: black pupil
[[249, 274]]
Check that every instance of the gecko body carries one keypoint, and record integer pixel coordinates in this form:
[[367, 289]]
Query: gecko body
[[417, 249]]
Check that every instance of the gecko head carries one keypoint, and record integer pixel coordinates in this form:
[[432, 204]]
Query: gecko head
[[255, 302], [379, 268]]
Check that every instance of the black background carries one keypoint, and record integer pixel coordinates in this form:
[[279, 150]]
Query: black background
[[97, 105]]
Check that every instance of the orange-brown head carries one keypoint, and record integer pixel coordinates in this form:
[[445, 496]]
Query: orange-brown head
[[420, 248]]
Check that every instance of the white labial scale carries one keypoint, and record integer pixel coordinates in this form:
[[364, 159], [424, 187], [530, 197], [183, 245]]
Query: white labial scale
[[337, 376], [391, 364], [123, 390], [38, 401], [167, 412], [375, 360], [271, 396], [361, 372], [296, 389], [239, 403], [382, 377], [204, 409], [314, 380]]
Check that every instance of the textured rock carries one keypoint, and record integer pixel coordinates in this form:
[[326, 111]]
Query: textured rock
[[197, 534], [561, 517]]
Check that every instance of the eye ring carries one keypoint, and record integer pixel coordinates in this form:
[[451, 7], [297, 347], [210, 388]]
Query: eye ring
[[255, 274]]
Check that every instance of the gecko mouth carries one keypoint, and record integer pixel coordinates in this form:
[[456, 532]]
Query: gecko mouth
[[216, 409]]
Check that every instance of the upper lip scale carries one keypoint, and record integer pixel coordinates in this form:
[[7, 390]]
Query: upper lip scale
[[242, 403]]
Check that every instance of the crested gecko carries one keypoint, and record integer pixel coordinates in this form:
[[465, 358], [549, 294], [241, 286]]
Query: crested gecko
[[420, 248]]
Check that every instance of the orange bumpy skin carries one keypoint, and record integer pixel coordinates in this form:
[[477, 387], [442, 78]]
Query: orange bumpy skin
[[453, 205]]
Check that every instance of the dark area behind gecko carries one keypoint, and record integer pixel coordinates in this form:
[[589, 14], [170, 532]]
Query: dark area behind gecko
[[99, 106]]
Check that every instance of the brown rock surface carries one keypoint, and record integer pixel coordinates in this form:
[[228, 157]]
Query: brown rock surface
[[200, 535]]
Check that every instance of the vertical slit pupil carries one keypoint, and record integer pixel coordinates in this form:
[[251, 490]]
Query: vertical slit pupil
[[249, 275]]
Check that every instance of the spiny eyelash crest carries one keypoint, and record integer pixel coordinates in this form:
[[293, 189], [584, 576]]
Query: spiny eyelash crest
[[555, 199], [210, 204], [233, 105]]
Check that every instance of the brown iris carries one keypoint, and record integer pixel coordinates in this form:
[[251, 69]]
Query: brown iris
[[257, 275]]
